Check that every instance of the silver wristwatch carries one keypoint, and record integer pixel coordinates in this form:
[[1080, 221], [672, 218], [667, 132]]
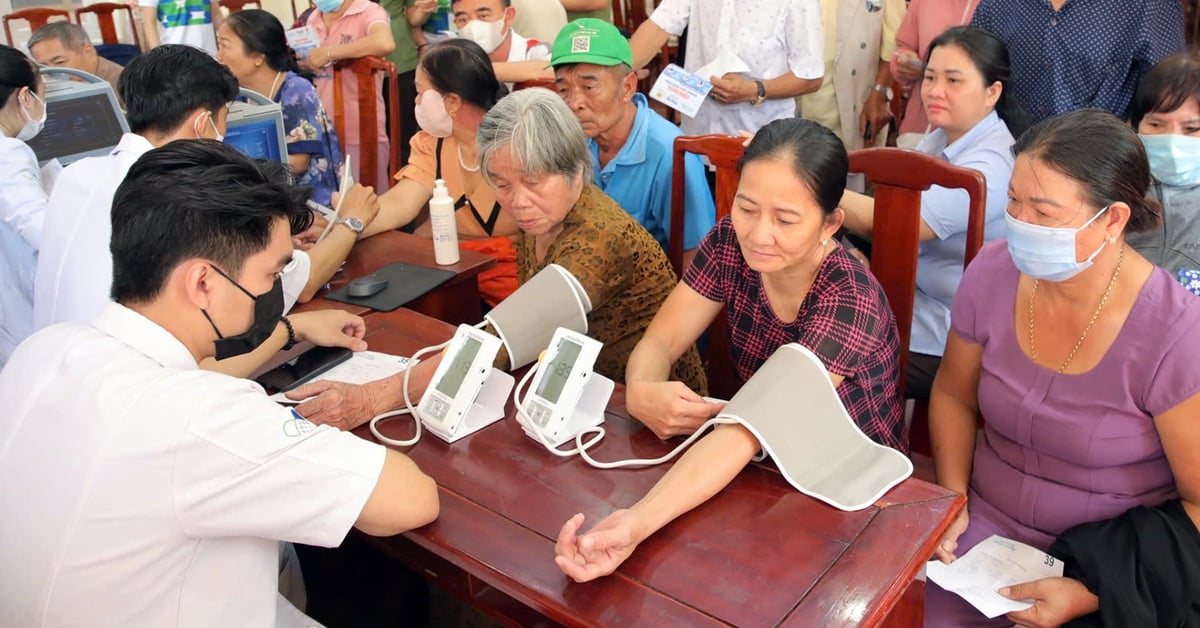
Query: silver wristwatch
[[353, 224]]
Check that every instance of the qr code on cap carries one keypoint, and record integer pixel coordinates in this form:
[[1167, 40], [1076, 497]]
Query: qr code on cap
[[581, 44]]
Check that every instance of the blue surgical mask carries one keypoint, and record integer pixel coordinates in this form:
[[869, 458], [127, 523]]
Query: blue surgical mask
[[1047, 253], [1174, 159], [327, 6]]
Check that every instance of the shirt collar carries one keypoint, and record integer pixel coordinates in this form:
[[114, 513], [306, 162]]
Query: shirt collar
[[134, 144], [356, 7], [935, 142], [633, 152], [518, 47], [144, 336]]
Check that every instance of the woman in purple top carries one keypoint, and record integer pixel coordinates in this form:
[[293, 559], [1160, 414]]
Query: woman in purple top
[[776, 267], [1079, 357]]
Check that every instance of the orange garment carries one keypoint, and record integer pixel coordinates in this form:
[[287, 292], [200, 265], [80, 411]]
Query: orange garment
[[499, 281]]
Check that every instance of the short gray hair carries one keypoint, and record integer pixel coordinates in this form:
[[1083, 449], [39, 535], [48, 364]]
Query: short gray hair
[[540, 130], [72, 36]]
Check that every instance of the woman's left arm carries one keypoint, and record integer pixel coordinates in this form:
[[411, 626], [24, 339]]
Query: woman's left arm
[[1180, 434], [860, 215]]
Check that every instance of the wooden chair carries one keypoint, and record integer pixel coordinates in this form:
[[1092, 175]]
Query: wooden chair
[[723, 151], [364, 70], [36, 17], [899, 177], [112, 48], [108, 28], [233, 6]]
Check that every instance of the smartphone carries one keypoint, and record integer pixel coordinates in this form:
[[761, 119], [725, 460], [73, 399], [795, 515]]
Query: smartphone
[[303, 368]]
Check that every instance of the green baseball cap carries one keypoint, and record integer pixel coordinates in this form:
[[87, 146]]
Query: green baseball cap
[[589, 40]]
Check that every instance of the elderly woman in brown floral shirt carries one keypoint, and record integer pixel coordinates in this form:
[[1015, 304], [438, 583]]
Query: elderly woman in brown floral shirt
[[535, 157]]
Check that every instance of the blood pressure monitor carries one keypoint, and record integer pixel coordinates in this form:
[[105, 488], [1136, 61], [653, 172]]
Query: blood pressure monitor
[[565, 396], [466, 393]]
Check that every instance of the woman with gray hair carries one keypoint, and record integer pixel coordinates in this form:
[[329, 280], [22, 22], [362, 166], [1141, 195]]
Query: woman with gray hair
[[535, 157]]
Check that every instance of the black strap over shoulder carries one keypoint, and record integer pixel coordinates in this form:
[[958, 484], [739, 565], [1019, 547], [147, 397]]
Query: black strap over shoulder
[[487, 225]]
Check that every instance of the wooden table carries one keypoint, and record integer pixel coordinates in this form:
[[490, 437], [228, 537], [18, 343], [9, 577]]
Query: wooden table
[[758, 554], [456, 301]]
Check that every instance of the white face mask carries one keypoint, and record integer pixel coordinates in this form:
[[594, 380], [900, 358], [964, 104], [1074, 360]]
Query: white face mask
[[432, 116], [32, 127], [489, 35]]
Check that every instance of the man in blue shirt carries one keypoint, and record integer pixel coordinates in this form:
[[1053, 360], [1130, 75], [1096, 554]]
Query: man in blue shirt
[[1075, 54], [631, 145]]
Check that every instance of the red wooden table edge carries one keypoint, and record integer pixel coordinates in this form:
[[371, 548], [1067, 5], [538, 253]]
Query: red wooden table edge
[[905, 578], [473, 565]]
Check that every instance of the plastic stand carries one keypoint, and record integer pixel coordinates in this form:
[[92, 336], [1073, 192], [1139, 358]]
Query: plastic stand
[[487, 409], [589, 412]]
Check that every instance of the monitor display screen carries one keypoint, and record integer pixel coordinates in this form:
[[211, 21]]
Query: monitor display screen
[[78, 125], [257, 138]]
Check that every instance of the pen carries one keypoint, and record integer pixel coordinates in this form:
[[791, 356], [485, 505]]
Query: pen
[[329, 214]]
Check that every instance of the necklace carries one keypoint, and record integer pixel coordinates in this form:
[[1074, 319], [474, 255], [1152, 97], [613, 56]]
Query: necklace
[[463, 163], [1095, 315], [271, 92]]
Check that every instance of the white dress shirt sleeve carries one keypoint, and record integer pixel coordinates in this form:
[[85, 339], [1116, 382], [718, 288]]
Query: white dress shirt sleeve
[[673, 15], [804, 41], [249, 467]]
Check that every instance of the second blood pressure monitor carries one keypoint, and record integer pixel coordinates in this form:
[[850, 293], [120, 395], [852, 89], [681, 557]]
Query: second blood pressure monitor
[[566, 396], [466, 394]]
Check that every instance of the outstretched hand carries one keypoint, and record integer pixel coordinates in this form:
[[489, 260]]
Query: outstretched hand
[[600, 551]]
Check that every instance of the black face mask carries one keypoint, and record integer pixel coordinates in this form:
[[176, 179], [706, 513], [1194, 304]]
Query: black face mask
[[268, 309]]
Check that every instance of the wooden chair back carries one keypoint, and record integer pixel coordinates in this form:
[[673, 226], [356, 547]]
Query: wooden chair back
[[723, 152], [899, 177], [364, 71], [108, 28], [36, 17]]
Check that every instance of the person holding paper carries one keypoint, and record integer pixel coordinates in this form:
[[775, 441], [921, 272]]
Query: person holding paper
[[758, 54], [968, 97], [631, 145], [776, 268], [1079, 357]]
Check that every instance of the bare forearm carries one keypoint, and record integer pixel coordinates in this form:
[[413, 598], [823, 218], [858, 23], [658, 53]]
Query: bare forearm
[[325, 258], [952, 428], [398, 206], [646, 42], [649, 361], [789, 86], [709, 466], [859, 210], [518, 71], [150, 27], [584, 5]]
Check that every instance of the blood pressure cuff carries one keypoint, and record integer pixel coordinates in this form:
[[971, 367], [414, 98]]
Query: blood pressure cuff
[[528, 318], [792, 408]]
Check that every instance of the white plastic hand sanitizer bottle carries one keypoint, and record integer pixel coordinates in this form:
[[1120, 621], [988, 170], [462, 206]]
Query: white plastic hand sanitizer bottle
[[445, 229]]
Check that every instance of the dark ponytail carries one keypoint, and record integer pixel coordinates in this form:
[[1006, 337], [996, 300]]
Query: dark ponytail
[[990, 56], [262, 33], [16, 71]]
